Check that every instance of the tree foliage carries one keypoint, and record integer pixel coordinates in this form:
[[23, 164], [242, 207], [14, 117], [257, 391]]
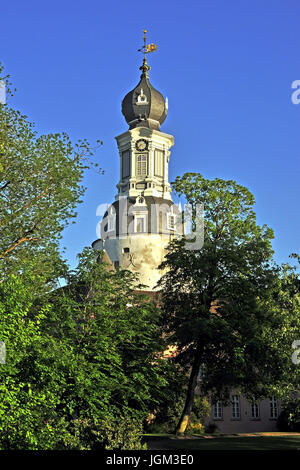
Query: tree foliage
[[83, 368], [218, 302], [40, 187], [82, 362]]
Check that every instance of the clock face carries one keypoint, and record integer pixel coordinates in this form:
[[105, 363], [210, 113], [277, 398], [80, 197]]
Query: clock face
[[141, 145]]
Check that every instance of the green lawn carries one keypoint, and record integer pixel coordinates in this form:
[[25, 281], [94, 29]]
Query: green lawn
[[255, 442]]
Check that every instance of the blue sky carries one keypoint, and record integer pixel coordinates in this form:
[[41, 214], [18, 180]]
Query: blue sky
[[227, 68]]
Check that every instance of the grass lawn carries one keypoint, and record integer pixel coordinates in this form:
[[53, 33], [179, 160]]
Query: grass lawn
[[257, 441]]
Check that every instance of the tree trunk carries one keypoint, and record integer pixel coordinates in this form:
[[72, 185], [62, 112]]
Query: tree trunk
[[184, 419]]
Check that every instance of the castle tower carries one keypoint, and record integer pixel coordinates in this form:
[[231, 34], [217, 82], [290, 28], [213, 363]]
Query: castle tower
[[138, 226]]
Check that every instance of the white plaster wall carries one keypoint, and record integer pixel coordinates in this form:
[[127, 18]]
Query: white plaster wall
[[147, 251]]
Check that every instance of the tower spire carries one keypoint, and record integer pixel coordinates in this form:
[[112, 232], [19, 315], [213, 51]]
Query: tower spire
[[144, 106], [145, 44], [142, 219]]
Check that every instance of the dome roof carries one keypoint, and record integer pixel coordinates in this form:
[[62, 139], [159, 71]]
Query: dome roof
[[144, 106]]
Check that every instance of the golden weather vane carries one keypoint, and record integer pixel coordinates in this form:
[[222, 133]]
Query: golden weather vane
[[147, 47]]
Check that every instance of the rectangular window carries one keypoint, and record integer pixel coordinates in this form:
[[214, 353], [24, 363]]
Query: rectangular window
[[235, 406], [217, 410], [254, 409], [140, 224], [141, 165], [160, 222], [171, 222], [111, 222], [125, 164], [159, 163], [273, 408]]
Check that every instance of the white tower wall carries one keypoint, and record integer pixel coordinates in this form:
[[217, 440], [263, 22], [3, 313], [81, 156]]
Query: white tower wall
[[139, 253]]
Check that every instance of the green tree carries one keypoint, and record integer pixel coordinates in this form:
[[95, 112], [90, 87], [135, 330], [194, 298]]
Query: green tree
[[40, 187], [83, 366], [286, 309], [84, 369], [23, 409], [218, 302], [115, 334]]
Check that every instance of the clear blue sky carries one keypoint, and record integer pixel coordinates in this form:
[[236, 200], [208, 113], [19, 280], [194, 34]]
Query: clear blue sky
[[226, 67]]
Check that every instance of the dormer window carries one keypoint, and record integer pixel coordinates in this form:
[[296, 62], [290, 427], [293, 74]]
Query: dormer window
[[140, 201], [141, 98]]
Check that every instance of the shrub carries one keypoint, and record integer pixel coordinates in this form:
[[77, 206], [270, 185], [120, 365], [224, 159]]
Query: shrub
[[118, 434], [194, 428], [211, 428], [169, 414]]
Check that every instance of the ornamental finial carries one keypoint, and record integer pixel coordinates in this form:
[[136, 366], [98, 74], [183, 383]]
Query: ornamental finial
[[147, 47], [145, 50]]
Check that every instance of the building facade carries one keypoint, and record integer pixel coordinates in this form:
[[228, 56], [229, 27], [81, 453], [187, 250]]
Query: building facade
[[245, 416]]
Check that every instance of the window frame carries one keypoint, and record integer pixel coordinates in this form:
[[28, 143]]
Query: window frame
[[236, 407], [111, 219], [159, 157], [171, 216], [255, 409], [273, 408], [141, 170], [126, 155], [144, 218], [218, 410]]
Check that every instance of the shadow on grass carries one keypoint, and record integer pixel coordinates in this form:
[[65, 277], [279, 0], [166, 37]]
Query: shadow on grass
[[170, 442]]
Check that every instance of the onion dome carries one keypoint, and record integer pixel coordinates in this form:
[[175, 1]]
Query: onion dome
[[144, 106]]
